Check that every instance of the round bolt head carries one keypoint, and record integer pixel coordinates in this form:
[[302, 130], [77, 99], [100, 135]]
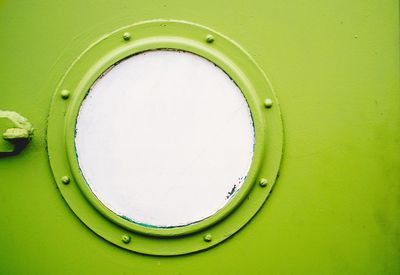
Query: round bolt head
[[126, 239], [210, 38], [65, 94], [208, 238], [126, 36], [65, 180], [263, 182], [268, 103]]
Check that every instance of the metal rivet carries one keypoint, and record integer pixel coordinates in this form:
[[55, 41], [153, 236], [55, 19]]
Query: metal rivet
[[65, 94], [268, 103], [209, 38], [126, 36], [263, 182], [208, 238], [126, 239], [65, 180]]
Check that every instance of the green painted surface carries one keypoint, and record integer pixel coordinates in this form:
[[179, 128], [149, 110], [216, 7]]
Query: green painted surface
[[150, 35], [334, 66]]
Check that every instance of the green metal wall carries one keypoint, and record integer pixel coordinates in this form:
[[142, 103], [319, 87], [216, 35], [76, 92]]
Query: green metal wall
[[334, 66]]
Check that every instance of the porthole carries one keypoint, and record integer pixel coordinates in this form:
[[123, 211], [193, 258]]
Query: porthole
[[165, 137]]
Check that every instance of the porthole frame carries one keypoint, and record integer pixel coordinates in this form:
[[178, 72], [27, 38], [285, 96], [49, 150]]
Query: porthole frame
[[131, 40]]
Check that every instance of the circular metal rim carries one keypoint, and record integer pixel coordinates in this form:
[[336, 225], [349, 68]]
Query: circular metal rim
[[146, 45], [152, 35]]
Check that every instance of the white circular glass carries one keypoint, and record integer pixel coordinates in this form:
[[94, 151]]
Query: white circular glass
[[164, 138]]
